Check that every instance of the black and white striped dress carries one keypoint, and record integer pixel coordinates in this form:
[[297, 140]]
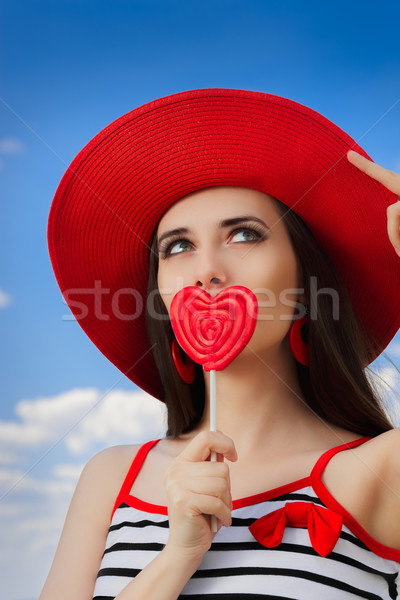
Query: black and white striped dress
[[237, 566]]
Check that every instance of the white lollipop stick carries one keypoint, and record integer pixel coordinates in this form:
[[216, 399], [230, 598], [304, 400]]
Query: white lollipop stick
[[213, 427]]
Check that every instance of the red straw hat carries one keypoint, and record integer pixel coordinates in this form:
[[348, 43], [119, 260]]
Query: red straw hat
[[110, 199]]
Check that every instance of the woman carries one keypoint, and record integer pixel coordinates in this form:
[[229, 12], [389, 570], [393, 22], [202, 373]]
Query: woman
[[194, 190]]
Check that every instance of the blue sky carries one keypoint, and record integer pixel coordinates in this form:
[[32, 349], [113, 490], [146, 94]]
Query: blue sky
[[67, 69]]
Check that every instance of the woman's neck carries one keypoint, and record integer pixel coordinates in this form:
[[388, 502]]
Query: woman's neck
[[261, 407]]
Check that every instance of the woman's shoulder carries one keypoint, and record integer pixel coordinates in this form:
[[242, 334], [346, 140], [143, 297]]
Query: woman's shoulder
[[376, 462], [366, 481], [110, 464], [383, 454], [382, 457], [383, 451], [104, 474], [112, 456]]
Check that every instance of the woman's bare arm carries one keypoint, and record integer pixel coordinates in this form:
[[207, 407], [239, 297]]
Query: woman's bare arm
[[77, 560]]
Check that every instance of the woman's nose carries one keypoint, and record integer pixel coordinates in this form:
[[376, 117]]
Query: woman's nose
[[214, 281], [210, 275]]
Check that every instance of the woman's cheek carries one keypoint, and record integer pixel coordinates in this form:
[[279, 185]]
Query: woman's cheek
[[169, 283]]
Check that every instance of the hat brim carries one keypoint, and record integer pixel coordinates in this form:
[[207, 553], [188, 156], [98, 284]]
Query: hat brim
[[115, 191]]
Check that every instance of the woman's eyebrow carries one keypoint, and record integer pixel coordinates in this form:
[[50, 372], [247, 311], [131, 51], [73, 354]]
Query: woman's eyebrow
[[173, 233], [238, 220], [221, 225]]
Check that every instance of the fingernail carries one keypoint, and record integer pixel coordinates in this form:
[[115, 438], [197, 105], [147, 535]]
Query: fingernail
[[352, 152]]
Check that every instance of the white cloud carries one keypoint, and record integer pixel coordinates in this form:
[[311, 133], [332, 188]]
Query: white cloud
[[29, 535], [76, 423], [40, 525], [34, 504], [386, 381], [44, 420], [83, 419], [22, 483], [121, 417], [5, 299], [9, 478], [8, 458], [11, 146], [393, 349], [9, 510], [68, 471]]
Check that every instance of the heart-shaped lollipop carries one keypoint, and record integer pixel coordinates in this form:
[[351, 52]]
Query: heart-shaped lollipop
[[214, 330]]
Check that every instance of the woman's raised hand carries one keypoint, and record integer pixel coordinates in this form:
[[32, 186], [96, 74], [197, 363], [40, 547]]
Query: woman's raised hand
[[391, 181], [197, 488]]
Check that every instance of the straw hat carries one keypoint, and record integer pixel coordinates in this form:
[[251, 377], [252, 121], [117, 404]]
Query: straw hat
[[115, 191]]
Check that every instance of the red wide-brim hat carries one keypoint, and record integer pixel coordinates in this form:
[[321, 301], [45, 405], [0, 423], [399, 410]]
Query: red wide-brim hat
[[115, 191]]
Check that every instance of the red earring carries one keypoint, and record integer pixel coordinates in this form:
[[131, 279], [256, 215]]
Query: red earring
[[298, 346], [186, 369]]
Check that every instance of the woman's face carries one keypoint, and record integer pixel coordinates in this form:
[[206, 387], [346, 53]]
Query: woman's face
[[224, 236]]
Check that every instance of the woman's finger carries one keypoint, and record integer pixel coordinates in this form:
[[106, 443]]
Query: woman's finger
[[393, 225], [184, 472], [200, 447], [202, 504], [214, 486], [389, 179]]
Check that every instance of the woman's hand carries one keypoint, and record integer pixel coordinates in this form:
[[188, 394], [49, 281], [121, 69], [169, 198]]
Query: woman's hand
[[197, 488], [391, 181]]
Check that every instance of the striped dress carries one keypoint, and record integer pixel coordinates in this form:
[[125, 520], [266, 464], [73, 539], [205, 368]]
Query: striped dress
[[291, 543]]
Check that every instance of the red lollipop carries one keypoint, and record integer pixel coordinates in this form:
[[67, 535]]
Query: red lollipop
[[214, 330]]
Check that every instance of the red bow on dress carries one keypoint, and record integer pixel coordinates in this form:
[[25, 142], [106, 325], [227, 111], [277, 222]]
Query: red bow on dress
[[324, 525]]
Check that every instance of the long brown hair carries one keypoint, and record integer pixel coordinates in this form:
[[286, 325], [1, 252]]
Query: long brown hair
[[335, 385]]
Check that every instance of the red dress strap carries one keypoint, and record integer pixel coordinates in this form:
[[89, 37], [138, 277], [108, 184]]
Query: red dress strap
[[348, 520], [133, 471], [326, 457]]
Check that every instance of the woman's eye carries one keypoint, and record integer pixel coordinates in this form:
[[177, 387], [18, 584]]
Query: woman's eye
[[179, 247], [245, 235]]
